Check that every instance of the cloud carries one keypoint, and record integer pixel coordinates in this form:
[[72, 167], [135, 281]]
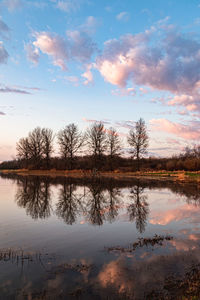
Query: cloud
[[32, 53], [78, 46], [90, 120], [81, 45], [115, 274], [17, 89], [4, 29], [54, 46], [174, 141], [69, 5], [88, 75], [160, 58], [96, 121], [90, 25], [12, 5], [13, 90], [123, 16], [38, 4], [190, 102], [143, 90], [189, 131], [108, 8], [3, 54], [73, 79], [2, 113], [184, 212], [124, 92], [125, 124]]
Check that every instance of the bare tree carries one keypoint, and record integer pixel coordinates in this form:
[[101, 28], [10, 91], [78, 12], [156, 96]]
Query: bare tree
[[196, 151], [97, 141], [113, 144], [138, 139], [36, 144], [23, 149], [70, 141], [48, 137]]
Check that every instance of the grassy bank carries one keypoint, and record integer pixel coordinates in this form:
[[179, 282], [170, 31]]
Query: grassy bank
[[174, 175]]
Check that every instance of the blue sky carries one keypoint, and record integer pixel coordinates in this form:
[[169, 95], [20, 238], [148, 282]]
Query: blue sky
[[114, 61]]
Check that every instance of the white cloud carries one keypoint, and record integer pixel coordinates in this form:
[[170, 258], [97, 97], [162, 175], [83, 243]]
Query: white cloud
[[123, 16]]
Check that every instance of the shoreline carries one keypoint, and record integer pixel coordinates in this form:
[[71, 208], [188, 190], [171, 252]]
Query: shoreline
[[160, 175]]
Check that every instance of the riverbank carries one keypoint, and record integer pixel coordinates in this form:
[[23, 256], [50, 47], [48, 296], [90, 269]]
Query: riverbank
[[174, 175]]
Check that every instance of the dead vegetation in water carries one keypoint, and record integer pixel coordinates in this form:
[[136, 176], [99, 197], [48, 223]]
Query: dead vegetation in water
[[19, 256], [184, 288], [155, 240], [80, 268]]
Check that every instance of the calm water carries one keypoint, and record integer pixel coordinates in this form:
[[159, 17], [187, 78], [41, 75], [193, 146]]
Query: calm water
[[67, 238]]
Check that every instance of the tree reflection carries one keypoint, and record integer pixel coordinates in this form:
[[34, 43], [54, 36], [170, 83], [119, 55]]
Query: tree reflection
[[139, 208], [114, 195], [96, 201], [34, 195], [96, 205], [69, 202]]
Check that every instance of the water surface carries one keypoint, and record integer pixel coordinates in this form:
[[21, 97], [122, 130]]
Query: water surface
[[64, 238]]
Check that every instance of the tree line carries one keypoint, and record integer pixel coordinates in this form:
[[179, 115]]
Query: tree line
[[102, 146], [96, 148]]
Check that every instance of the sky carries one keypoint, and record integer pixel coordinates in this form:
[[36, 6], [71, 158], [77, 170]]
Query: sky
[[101, 60]]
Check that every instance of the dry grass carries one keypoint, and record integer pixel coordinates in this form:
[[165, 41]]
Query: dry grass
[[163, 174]]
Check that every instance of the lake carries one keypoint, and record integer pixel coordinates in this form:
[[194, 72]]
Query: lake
[[98, 238]]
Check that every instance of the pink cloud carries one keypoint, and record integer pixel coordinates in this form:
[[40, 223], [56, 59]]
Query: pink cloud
[[189, 132], [171, 64], [124, 92], [114, 274], [143, 90], [88, 75], [96, 121], [54, 46], [183, 245], [73, 79], [78, 45], [190, 102], [182, 213]]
